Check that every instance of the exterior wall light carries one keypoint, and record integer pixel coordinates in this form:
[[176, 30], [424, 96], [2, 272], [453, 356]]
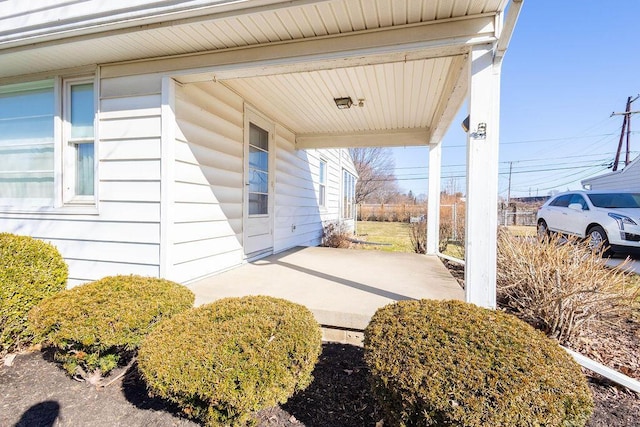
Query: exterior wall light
[[343, 103], [465, 124], [480, 133]]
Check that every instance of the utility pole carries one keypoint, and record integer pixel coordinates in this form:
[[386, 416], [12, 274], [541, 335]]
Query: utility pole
[[626, 126], [509, 190]]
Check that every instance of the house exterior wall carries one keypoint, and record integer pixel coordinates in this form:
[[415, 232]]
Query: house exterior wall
[[626, 179], [125, 232], [299, 218], [120, 235], [206, 231]]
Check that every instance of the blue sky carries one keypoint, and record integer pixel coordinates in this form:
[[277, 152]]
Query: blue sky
[[570, 64]]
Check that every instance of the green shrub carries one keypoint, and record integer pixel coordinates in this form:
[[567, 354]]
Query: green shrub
[[30, 270], [94, 324], [439, 363], [223, 361]]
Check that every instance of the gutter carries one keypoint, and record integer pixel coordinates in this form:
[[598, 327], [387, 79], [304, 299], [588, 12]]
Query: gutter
[[148, 16]]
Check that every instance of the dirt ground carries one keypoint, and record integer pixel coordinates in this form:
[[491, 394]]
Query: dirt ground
[[35, 392]]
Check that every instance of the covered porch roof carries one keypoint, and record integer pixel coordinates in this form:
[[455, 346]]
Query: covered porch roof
[[412, 63], [406, 59]]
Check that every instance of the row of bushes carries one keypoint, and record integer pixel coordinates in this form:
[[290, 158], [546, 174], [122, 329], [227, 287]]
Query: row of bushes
[[219, 362], [431, 362]]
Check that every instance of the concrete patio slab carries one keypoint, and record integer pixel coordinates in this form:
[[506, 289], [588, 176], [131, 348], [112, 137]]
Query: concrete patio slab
[[342, 287]]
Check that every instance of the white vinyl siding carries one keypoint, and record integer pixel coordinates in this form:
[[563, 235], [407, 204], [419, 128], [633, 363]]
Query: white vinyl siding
[[299, 219], [626, 179], [207, 226], [122, 233]]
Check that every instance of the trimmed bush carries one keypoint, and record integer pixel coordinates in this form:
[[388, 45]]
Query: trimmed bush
[[437, 363], [224, 361], [30, 270], [94, 324]]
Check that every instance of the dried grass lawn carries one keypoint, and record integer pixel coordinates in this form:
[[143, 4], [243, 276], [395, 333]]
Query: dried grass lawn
[[394, 236]]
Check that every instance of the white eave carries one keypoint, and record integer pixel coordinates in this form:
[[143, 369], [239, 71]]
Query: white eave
[[408, 59]]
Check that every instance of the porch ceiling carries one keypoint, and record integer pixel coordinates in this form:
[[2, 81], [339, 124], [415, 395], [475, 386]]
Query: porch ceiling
[[396, 97], [405, 58]]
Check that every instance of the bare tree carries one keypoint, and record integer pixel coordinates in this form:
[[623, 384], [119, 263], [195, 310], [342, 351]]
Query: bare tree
[[376, 180]]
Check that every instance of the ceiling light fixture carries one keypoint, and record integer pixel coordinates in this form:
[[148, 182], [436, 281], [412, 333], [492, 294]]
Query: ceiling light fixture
[[343, 103]]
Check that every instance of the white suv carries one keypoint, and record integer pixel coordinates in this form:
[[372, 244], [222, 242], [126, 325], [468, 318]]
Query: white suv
[[610, 218]]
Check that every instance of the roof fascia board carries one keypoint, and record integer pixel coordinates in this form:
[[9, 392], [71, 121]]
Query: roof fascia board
[[139, 18], [444, 38]]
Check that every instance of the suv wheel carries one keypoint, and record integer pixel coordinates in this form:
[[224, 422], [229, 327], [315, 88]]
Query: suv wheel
[[543, 231], [598, 240]]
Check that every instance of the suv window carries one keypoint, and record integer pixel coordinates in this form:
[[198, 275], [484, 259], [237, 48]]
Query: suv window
[[616, 200], [562, 201], [577, 198]]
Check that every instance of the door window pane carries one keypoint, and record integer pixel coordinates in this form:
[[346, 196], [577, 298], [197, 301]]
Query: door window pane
[[258, 204], [258, 137], [258, 170], [27, 141], [258, 182], [258, 159]]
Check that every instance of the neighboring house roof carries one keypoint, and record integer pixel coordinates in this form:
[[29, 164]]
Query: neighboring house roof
[[616, 176]]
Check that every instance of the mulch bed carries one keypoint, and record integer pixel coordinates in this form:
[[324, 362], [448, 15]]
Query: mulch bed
[[35, 392]]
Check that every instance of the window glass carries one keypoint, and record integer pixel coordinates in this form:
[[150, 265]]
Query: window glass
[[258, 173], [258, 182], [27, 142], [258, 204], [322, 180], [562, 201], [258, 159], [80, 155], [82, 113], [84, 170], [348, 194], [259, 137], [577, 198], [616, 200]]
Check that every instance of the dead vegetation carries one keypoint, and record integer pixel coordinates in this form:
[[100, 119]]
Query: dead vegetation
[[336, 235], [561, 286]]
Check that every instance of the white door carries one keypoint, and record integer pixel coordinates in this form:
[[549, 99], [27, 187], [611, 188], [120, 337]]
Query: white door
[[259, 184]]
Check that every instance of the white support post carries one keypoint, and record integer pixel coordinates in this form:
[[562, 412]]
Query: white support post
[[167, 184], [482, 178], [433, 210]]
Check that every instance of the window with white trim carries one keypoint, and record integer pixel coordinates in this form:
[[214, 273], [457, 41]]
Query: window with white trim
[[322, 184], [27, 143], [79, 114], [348, 194], [37, 156]]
